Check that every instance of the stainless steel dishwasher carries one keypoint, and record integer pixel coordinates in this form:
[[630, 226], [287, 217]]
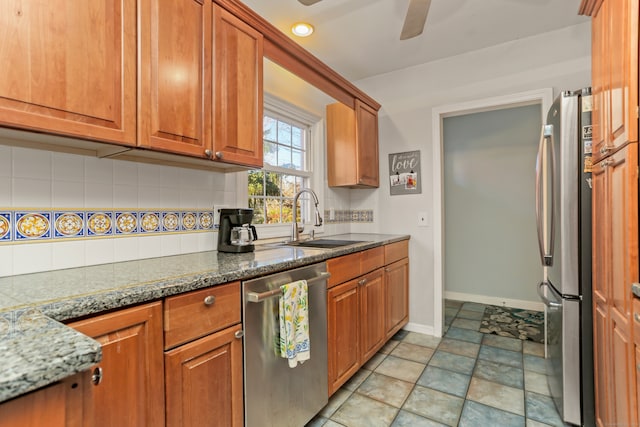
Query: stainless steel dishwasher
[[274, 393]]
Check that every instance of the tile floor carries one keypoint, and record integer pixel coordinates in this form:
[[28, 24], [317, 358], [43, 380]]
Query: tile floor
[[465, 379]]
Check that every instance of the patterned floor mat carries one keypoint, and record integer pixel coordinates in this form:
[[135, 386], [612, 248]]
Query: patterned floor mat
[[513, 322]]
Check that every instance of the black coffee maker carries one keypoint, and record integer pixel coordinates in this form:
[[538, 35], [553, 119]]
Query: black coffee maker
[[236, 234]]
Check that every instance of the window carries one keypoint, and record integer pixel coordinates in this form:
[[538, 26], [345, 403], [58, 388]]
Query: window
[[286, 170]]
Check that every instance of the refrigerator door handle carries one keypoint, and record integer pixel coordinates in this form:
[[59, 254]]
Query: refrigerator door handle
[[546, 256], [543, 297]]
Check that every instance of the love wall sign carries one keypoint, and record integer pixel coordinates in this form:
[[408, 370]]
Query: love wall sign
[[404, 173]]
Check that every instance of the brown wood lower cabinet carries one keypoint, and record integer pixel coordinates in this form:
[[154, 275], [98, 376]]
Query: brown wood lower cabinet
[[204, 381], [363, 312], [131, 392], [57, 405], [396, 278]]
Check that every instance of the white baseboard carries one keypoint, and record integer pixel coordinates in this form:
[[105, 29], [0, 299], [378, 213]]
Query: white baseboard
[[504, 302], [419, 328]]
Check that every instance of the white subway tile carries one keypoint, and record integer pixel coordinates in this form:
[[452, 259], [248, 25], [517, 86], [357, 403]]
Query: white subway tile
[[68, 254], [68, 194], [170, 177], [31, 193], [99, 251], [5, 191], [32, 257], [149, 175], [33, 164], [189, 243], [68, 167], [207, 241], [125, 172], [98, 170], [188, 198], [150, 246], [98, 195], [6, 159], [170, 244], [148, 197], [170, 198], [125, 196], [126, 248], [6, 260]]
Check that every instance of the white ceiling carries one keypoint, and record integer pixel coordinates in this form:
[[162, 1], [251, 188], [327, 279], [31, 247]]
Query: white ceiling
[[361, 38]]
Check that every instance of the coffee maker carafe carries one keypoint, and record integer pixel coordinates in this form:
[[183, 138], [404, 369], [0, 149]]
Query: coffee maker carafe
[[236, 234]]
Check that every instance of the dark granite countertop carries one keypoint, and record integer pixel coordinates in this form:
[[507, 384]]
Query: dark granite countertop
[[37, 350]]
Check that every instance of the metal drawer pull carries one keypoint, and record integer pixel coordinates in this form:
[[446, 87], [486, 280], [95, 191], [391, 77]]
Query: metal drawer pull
[[96, 376], [636, 316], [259, 297], [362, 282], [209, 300], [239, 334]]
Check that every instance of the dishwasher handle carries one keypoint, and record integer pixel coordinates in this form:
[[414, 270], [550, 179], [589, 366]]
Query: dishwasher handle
[[261, 296]]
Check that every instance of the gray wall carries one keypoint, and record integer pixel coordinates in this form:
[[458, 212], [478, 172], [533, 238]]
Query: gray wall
[[490, 235]]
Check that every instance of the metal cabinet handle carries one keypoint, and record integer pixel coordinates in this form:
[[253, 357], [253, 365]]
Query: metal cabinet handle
[[604, 150], [219, 154], [96, 376], [362, 282], [239, 334], [636, 316], [208, 153], [209, 300]]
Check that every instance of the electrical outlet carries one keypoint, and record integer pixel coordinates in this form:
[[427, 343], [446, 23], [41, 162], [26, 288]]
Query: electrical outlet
[[216, 213], [332, 214], [422, 219]]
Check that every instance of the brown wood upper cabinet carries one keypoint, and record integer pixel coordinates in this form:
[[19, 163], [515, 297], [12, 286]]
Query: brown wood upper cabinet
[[70, 68], [352, 146], [200, 82], [614, 75]]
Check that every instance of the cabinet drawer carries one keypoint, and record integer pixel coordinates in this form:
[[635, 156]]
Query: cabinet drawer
[[198, 313], [343, 269], [371, 259], [396, 251], [636, 320]]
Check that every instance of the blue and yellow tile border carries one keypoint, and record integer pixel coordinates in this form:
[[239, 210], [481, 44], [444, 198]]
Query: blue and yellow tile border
[[44, 225]]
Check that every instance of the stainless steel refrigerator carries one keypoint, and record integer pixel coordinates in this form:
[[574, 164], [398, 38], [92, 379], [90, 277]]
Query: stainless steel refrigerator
[[563, 214]]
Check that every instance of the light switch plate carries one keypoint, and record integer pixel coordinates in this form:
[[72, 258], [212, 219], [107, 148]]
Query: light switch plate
[[422, 219]]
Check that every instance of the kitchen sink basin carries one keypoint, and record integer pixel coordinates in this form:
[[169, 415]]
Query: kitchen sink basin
[[324, 243]]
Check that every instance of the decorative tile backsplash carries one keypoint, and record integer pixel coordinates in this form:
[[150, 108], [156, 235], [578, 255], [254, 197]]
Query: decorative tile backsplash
[[344, 216], [47, 225]]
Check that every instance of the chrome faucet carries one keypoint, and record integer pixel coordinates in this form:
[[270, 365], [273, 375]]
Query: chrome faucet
[[295, 231]]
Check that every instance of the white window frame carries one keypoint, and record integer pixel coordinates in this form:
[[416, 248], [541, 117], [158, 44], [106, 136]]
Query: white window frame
[[315, 174]]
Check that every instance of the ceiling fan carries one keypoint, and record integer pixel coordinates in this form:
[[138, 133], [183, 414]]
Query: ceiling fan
[[413, 22]]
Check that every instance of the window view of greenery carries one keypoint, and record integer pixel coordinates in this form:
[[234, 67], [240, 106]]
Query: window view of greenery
[[271, 190]]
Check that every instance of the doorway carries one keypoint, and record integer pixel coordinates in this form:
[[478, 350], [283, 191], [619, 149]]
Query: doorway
[[476, 224]]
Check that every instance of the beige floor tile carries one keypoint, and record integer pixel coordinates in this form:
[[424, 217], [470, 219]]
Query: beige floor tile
[[414, 352], [360, 411], [434, 404], [463, 348], [496, 395], [375, 360], [422, 339], [388, 347], [536, 382], [335, 401], [533, 348], [401, 369], [386, 389]]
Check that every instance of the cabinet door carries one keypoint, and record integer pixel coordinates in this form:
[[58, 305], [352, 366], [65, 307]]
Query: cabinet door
[[372, 314], [367, 151], [70, 68], [343, 332], [622, 30], [131, 392], [237, 93], [204, 382], [175, 76], [601, 346], [623, 385], [600, 83], [57, 405], [396, 281]]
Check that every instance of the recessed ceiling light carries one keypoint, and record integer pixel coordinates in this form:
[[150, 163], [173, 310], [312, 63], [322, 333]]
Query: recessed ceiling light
[[302, 29]]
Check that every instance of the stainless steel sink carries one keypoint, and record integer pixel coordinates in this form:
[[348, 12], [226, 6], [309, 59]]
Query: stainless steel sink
[[324, 243]]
